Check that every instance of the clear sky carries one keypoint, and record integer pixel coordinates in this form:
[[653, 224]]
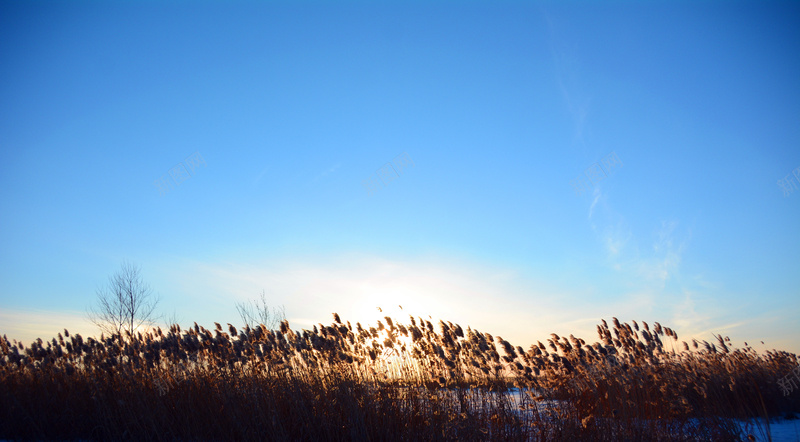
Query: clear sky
[[522, 168]]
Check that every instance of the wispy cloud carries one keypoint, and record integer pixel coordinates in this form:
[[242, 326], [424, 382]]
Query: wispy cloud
[[567, 73], [722, 329], [685, 314], [657, 266], [261, 175], [326, 172], [653, 272], [596, 194], [611, 227], [666, 259]]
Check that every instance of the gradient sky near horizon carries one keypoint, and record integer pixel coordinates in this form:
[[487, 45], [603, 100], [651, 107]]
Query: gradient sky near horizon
[[521, 168]]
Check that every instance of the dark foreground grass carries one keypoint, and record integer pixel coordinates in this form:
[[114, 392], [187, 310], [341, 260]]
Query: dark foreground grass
[[392, 381]]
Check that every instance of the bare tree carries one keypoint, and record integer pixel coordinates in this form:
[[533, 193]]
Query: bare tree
[[125, 304], [173, 319], [258, 311]]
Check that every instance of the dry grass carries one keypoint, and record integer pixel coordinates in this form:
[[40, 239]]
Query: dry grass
[[390, 381]]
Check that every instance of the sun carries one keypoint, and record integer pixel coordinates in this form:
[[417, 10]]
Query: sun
[[397, 298], [396, 304]]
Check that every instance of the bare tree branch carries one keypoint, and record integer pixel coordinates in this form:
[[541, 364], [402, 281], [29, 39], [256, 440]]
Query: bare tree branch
[[258, 312], [125, 304], [173, 319]]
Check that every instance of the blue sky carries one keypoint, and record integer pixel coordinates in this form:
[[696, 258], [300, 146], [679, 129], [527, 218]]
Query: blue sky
[[493, 120]]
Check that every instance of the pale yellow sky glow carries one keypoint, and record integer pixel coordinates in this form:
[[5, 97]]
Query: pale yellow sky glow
[[28, 325], [501, 301]]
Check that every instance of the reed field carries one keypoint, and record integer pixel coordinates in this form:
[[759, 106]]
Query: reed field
[[392, 380]]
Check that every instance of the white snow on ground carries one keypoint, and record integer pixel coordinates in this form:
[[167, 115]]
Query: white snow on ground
[[780, 430]]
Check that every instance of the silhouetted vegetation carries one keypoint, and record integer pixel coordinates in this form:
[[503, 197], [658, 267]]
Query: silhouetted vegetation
[[390, 381]]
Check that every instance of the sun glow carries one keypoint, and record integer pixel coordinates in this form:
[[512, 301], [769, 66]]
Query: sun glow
[[396, 302]]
